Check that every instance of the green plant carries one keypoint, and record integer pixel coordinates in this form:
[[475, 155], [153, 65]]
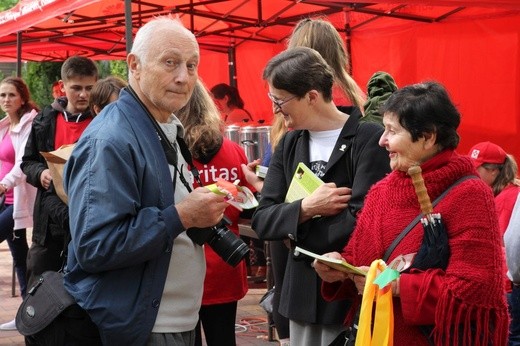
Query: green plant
[[39, 77], [119, 68], [7, 4]]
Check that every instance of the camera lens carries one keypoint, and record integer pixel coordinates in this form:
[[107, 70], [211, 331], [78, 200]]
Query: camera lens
[[228, 246]]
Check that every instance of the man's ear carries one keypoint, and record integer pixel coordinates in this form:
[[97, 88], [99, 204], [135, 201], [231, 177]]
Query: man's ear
[[133, 65]]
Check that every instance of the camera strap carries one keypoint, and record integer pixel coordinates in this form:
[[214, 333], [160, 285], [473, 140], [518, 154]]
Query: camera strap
[[169, 148]]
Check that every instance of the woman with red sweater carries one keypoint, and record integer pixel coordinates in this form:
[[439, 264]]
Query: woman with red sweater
[[463, 304]]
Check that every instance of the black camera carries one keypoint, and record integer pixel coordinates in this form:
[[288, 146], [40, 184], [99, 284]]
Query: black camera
[[224, 242]]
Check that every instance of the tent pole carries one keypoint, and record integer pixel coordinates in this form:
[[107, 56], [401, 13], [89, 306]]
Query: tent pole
[[128, 25], [19, 54], [232, 65], [348, 38]]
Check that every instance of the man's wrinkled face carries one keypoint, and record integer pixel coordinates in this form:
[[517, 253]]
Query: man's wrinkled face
[[168, 75]]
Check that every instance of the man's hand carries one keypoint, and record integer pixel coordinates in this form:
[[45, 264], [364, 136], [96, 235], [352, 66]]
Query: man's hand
[[326, 200], [46, 178], [201, 208]]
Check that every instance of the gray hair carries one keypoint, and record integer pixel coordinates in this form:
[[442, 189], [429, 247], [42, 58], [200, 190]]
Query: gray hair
[[140, 47]]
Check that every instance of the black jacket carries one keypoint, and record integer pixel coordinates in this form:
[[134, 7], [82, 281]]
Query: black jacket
[[357, 161], [50, 213]]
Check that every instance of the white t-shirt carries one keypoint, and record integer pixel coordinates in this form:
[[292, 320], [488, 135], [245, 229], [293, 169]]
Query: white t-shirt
[[182, 295], [512, 244], [321, 144]]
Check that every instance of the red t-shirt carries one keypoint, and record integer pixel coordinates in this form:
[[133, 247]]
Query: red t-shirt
[[223, 283], [68, 132]]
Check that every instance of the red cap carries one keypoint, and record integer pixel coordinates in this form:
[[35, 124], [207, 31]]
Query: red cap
[[487, 152]]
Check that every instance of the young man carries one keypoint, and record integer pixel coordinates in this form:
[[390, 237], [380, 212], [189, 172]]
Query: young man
[[131, 265], [59, 124]]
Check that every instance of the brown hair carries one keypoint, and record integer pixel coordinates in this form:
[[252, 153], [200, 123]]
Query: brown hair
[[27, 104], [103, 90], [507, 174], [201, 120]]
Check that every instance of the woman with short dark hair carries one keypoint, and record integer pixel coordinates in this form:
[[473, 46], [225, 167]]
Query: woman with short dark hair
[[463, 303], [341, 151]]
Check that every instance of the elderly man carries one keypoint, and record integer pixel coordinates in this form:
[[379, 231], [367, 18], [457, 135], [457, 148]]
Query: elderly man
[[131, 265]]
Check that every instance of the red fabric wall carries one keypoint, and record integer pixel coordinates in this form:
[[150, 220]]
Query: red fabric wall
[[477, 60], [251, 57]]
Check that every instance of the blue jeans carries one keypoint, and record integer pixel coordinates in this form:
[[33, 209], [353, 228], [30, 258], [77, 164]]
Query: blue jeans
[[513, 300], [17, 241]]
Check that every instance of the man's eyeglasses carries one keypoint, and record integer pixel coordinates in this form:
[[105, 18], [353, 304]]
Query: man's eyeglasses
[[279, 103]]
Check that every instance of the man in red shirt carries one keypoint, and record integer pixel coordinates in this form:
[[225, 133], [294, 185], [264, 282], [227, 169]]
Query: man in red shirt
[[59, 124]]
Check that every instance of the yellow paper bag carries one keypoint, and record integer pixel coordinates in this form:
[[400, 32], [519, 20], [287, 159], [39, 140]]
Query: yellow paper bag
[[56, 161], [383, 329]]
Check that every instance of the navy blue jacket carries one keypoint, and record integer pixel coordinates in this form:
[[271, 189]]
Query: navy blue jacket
[[122, 221]]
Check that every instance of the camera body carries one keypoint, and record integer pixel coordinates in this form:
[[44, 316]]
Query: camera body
[[224, 242]]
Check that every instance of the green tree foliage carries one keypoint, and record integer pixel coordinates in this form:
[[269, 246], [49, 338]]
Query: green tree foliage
[[119, 68], [7, 4], [39, 77]]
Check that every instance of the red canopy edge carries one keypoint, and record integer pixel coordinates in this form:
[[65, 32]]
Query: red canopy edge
[[28, 13]]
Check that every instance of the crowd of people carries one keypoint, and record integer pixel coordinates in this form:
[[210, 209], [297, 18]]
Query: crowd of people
[[128, 240]]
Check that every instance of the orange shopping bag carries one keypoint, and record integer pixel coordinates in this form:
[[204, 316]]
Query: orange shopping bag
[[382, 333]]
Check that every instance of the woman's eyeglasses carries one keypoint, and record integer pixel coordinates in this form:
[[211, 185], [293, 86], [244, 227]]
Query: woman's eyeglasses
[[279, 103]]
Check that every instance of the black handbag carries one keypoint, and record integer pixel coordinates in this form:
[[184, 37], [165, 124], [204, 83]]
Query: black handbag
[[44, 302], [266, 302], [346, 337]]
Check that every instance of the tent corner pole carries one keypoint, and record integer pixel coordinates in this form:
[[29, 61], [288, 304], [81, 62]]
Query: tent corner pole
[[232, 66], [19, 54], [128, 25]]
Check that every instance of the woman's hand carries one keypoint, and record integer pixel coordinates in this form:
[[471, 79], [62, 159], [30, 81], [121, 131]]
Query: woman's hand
[[3, 189], [326, 200], [360, 280], [329, 274], [249, 171]]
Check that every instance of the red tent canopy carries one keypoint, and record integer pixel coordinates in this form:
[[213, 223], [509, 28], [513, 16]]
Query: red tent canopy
[[469, 46]]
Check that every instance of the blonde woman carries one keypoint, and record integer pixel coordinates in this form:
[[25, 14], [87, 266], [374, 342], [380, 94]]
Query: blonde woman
[[224, 285]]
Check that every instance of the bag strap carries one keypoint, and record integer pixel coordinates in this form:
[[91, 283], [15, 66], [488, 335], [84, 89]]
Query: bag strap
[[65, 251], [412, 224]]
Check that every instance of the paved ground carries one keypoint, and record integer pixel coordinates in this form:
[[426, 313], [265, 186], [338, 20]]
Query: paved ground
[[251, 325]]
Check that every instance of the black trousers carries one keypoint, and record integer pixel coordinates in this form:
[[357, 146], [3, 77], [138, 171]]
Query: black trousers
[[218, 322], [43, 258], [279, 254]]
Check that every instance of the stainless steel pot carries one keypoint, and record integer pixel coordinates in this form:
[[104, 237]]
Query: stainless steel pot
[[232, 132], [254, 140]]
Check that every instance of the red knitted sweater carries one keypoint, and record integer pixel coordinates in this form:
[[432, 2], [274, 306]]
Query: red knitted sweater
[[470, 291]]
